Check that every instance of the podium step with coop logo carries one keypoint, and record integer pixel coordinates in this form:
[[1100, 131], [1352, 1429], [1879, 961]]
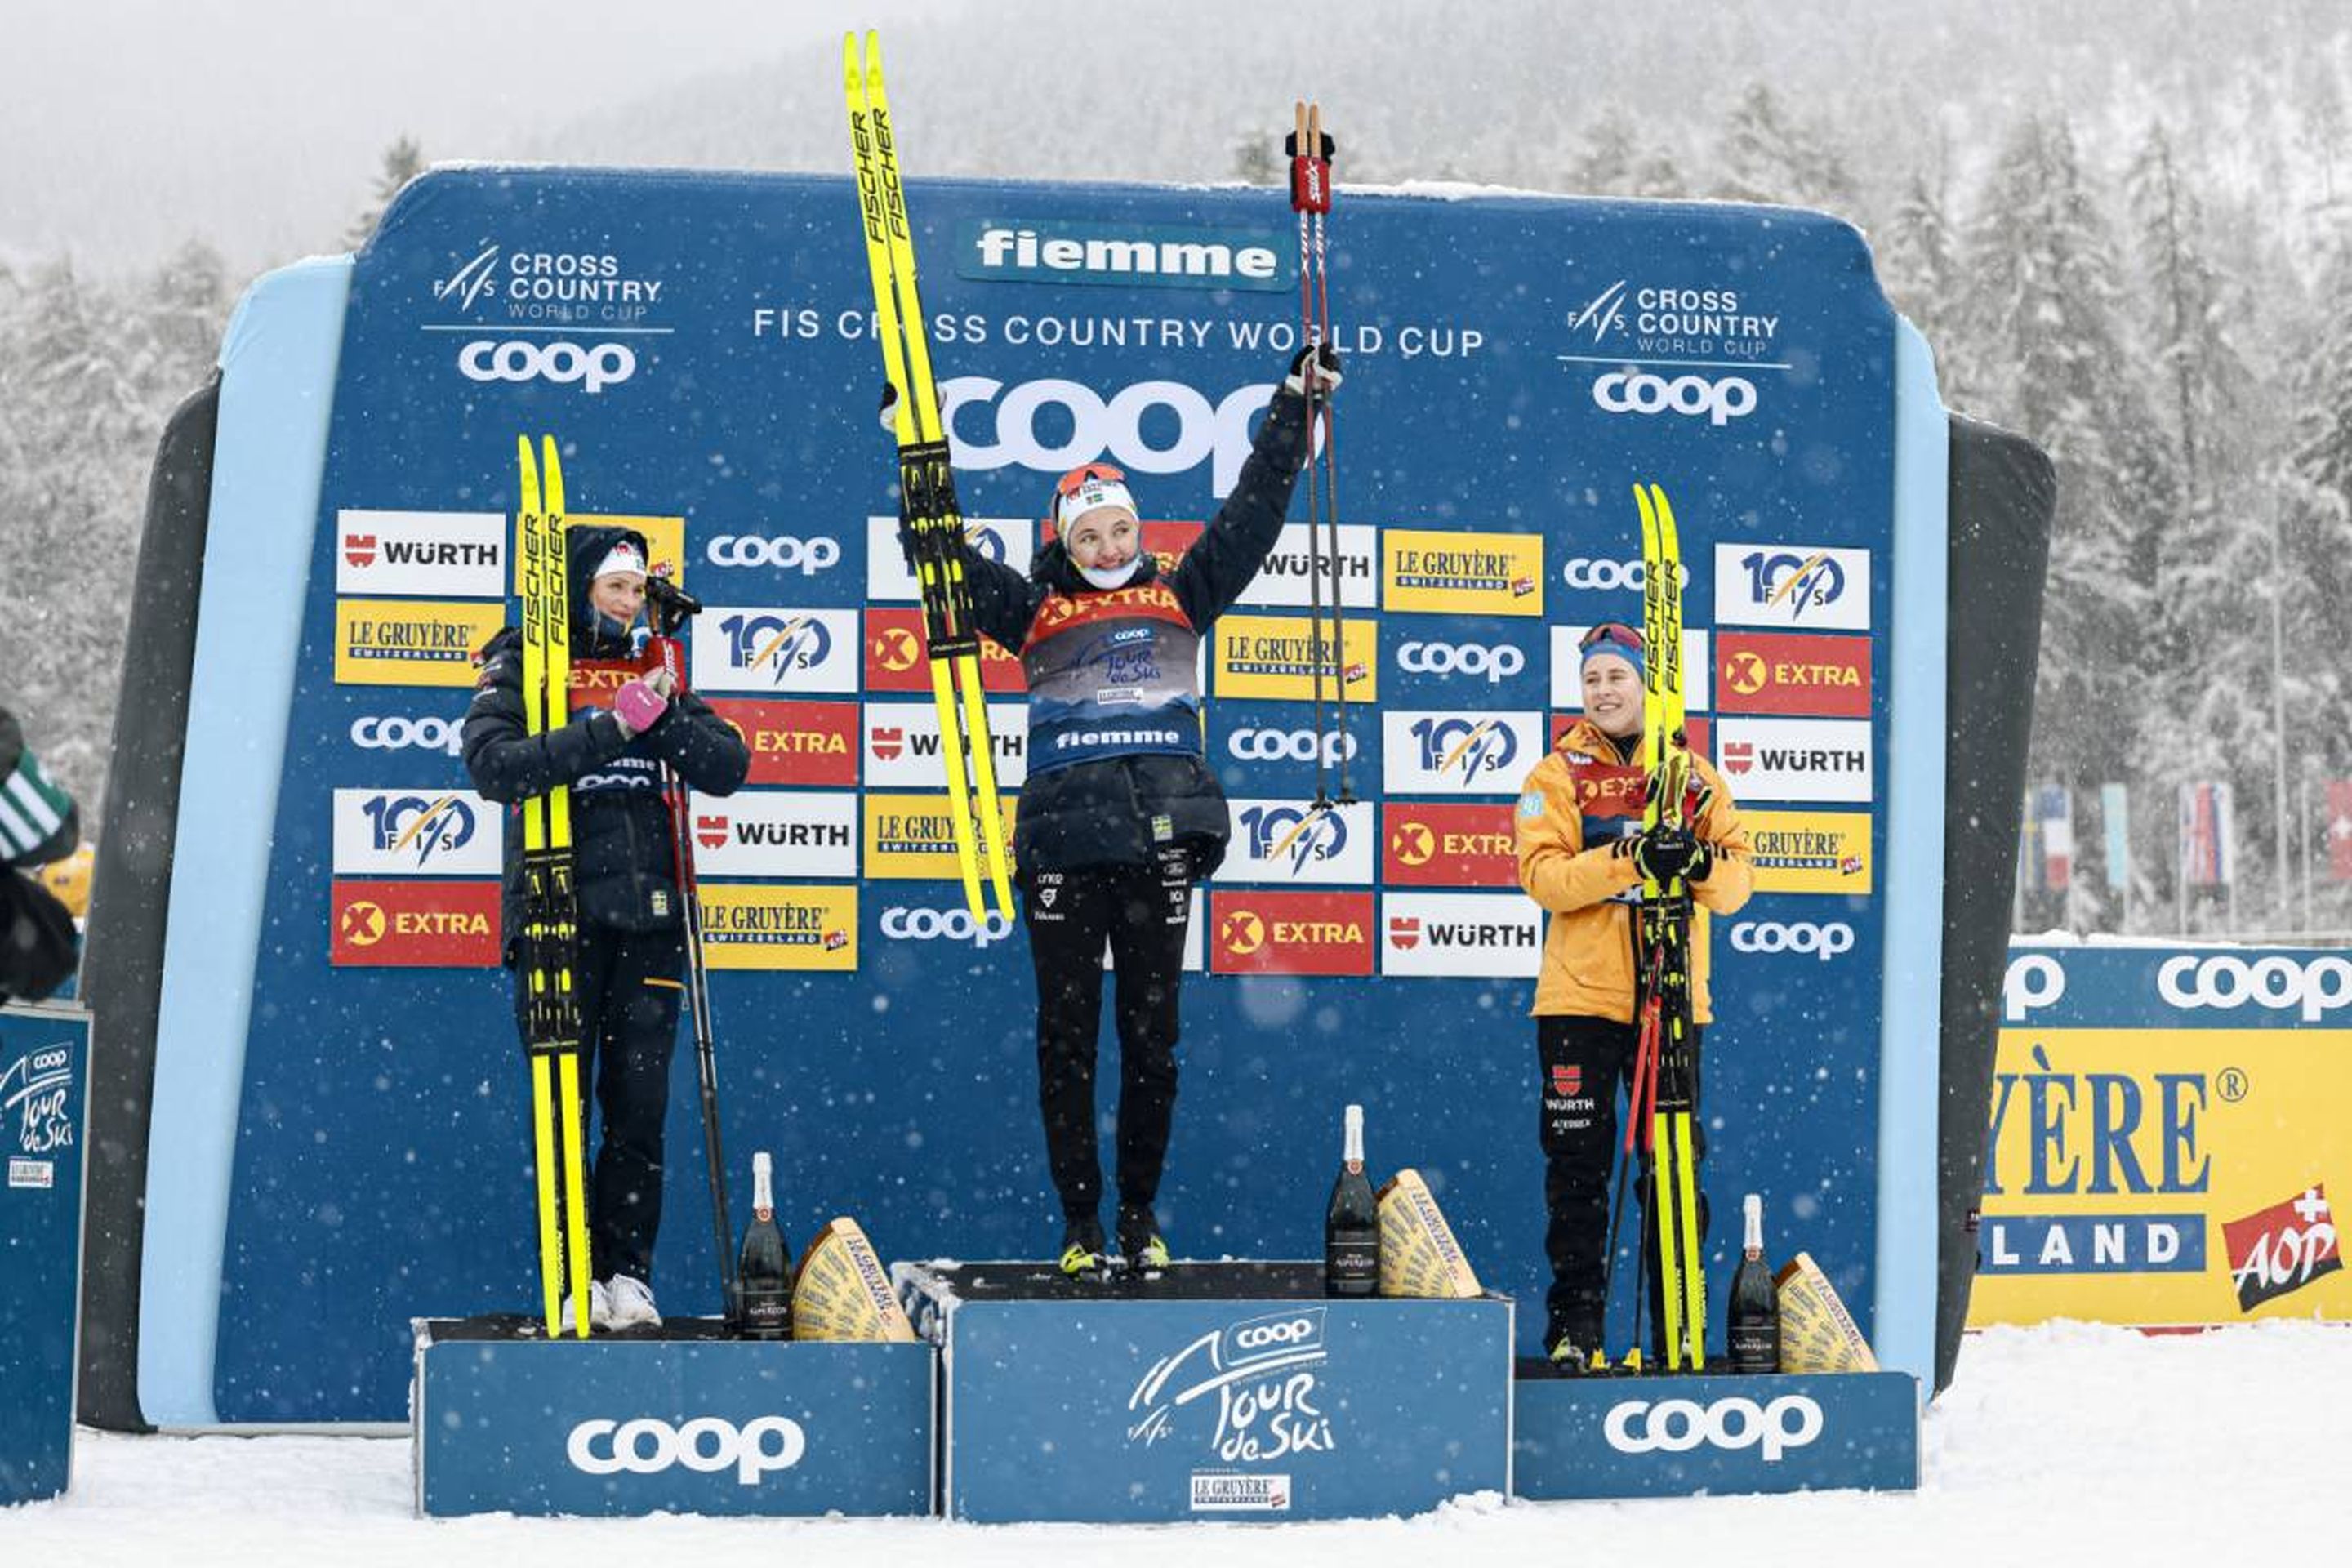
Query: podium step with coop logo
[[678, 1420], [1217, 1391], [1678, 1436], [44, 1075]]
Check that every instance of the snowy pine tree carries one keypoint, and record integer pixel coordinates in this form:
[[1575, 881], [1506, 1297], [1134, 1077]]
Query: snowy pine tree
[[403, 161]]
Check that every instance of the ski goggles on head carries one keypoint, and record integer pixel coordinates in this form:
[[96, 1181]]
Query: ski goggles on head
[[1615, 639], [1086, 487]]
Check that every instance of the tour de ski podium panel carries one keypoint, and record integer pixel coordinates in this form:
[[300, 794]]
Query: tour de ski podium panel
[[44, 1067], [1679, 1436], [676, 1420], [1217, 1391]]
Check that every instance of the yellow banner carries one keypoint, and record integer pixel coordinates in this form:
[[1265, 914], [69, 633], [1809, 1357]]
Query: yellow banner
[[765, 927], [412, 642], [913, 836], [1809, 851], [1274, 656], [1461, 573], [2157, 1178]]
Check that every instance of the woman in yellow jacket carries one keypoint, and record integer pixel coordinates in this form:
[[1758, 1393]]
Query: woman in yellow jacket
[[1583, 855]]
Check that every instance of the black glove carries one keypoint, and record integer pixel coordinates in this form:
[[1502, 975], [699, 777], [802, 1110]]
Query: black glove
[[889, 417], [1327, 371], [1662, 854], [1697, 801]]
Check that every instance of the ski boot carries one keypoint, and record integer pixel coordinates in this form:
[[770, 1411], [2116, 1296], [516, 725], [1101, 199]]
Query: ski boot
[[1083, 1255], [1140, 1246]]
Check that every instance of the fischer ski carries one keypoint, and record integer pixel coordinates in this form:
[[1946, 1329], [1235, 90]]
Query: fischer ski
[[550, 913], [928, 511]]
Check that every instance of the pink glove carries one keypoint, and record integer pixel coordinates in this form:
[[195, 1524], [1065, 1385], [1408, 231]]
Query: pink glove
[[640, 704]]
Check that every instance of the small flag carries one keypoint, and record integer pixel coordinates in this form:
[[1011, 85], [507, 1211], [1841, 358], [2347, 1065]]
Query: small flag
[[2208, 858], [2054, 812], [2339, 829]]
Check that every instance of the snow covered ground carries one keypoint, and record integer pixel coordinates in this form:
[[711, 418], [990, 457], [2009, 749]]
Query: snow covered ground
[[2064, 1442]]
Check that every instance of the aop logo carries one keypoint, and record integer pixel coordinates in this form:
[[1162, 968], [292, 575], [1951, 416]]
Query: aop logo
[[806, 556], [2035, 980], [1099, 427], [1678, 1425], [707, 1444], [1292, 837], [1464, 748], [903, 925], [1637, 392], [778, 644], [1824, 941], [593, 368], [1252, 745], [415, 825], [1495, 662], [381, 734], [2276, 982]]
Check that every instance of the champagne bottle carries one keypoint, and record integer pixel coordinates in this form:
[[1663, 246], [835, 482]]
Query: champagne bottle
[[1753, 1331], [764, 1273], [1352, 1225]]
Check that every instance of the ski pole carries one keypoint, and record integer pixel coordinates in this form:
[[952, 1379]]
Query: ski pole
[[1304, 192], [1324, 147]]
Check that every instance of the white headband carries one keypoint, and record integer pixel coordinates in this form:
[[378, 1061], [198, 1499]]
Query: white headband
[[623, 557], [1088, 497]]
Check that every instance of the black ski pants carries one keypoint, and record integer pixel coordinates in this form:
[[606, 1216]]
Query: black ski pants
[[629, 989], [1142, 912], [1585, 1063]]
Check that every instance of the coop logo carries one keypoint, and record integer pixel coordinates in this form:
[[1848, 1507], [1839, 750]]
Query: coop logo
[[995, 426], [707, 1444], [1490, 662], [780, 553], [1007, 541], [592, 368], [776, 833], [2276, 1251], [1822, 943], [2309, 989], [1297, 572], [1295, 841], [903, 750], [33, 1094], [773, 650], [1815, 588], [1251, 744], [1493, 935], [1050, 250], [417, 832], [1291, 933], [1678, 1425], [900, 923], [1607, 575], [1720, 399], [762, 926], [435, 553], [1264, 1374], [414, 925], [1671, 319], [1446, 752], [375, 734], [2033, 981], [895, 660]]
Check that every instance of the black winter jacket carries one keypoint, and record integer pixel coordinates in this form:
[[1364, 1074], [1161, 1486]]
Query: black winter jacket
[[623, 870], [1102, 813]]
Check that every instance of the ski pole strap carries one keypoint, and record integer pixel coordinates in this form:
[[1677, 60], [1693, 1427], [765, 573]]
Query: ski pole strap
[[1310, 160]]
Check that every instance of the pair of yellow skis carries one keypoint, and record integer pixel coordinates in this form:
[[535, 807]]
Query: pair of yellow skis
[[551, 911], [928, 512]]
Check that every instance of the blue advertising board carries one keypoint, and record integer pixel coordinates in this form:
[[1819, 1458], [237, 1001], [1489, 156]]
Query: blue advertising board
[[337, 1057], [639, 1425], [1233, 1403], [43, 1089], [1672, 1437]]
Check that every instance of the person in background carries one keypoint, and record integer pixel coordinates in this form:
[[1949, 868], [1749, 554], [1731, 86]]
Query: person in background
[[39, 825]]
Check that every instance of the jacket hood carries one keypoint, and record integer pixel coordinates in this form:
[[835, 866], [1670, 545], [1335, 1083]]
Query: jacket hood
[[584, 549]]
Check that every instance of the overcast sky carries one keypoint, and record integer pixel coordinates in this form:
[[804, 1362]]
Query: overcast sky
[[128, 125]]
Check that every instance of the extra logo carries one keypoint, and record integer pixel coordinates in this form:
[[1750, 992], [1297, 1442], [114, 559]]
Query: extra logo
[[1820, 942], [776, 833], [1461, 573], [1809, 587], [771, 650], [1795, 759], [2310, 988], [900, 923], [1444, 752], [1282, 583], [996, 426], [1768, 672], [763, 926], [411, 642], [1251, 744], [1568, 670], [416, 833], [414, 925], [1718, 399], [2277, 1251], [1678, 1425], [592, 367], [1007, 540], [33, 1095], [707, 1444], [1494, 935], [452, 554], [902, 746], [777, 552], [377, 733], [1290, 932], [1055, 250], [795, 743], [1293, 841], [1264, 1374], [895, 660], [1464, 844], [1490, 662]]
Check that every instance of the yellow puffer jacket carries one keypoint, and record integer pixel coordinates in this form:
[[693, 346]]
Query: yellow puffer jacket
[[1577, 814]]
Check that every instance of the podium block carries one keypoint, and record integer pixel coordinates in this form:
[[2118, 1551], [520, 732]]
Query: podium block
[[506, 1420], [1674, 1436], [1218, 1390], [44, 1079]]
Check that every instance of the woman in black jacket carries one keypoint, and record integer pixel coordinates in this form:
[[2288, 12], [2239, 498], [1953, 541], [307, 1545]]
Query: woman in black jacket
[[1120, 814], [631, 953]]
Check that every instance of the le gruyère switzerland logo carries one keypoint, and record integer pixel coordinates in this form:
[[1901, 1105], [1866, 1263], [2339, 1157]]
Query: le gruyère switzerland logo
[[1263, 1373]]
